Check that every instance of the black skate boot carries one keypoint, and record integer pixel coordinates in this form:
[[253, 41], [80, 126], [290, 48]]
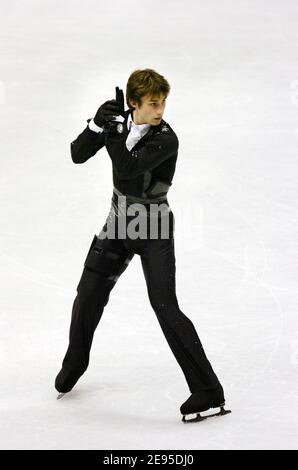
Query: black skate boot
[[202, 401], [66, 380]]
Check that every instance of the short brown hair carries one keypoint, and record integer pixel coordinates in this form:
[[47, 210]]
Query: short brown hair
[[143, 82]]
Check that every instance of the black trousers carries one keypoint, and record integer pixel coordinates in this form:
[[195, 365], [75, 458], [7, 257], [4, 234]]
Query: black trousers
[[106, 260]]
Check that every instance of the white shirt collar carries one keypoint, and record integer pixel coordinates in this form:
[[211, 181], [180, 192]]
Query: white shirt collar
[[140, 127]]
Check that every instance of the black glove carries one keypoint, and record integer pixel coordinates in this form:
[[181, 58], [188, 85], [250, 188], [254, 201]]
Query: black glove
[[106, 112], [120, 101], [111, 126]]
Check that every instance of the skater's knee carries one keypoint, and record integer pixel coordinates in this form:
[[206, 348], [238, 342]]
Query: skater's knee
[[164, 304], [105, 262], [91, 290], [161, 308], [169, 311]]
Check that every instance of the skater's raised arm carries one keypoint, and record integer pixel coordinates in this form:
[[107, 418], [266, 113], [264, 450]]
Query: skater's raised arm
[[92, 138], [86, 144]]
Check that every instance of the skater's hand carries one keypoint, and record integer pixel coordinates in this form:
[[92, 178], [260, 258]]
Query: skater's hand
[[110, 125], [106, 112], [120, 101]]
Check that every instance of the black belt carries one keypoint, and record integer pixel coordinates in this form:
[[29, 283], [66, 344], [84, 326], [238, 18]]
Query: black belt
[[135, 199]]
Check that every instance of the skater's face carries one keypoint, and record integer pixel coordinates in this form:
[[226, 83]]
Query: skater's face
[[150, 111]]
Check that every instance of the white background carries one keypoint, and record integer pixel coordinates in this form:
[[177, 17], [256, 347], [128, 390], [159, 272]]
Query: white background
[[232, 66]]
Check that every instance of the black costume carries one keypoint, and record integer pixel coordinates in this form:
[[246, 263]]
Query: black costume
[[143, 175]]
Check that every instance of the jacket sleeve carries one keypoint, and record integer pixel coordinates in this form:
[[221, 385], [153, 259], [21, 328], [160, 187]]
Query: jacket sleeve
[[129, 164], [86, 145]]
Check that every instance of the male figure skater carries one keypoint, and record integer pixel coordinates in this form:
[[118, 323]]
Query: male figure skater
[[143, 149]]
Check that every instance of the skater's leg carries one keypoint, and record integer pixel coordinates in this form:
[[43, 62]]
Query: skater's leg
[[158, 262], [105, 262]]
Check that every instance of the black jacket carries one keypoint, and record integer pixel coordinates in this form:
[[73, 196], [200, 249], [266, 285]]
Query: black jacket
[[146, 170]]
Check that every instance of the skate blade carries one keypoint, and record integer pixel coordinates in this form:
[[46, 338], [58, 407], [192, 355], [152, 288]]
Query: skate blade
[[198, 418], [61, 395]]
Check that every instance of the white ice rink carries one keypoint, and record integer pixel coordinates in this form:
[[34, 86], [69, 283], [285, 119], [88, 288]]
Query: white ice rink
[[233, 70]]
